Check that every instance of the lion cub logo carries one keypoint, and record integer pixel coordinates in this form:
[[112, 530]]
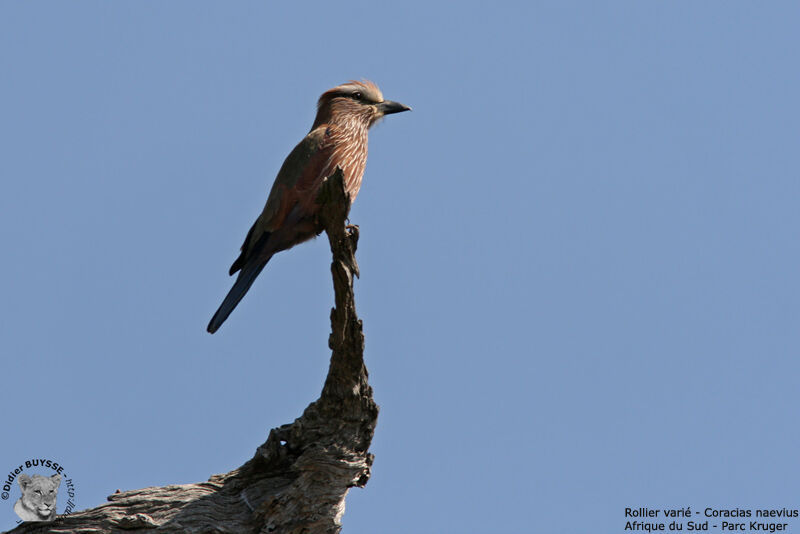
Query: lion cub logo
[[38, 501]]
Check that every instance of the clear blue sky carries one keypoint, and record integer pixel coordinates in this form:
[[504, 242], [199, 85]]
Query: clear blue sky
[[579, 252]]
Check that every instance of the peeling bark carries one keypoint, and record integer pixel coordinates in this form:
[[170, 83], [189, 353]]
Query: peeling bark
[[298, 479]]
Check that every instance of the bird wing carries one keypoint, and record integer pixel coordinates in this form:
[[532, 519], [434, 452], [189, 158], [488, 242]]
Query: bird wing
[[297, 179], [301, 166]]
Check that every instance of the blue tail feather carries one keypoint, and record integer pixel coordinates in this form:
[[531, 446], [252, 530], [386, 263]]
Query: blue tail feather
[[243, 282]]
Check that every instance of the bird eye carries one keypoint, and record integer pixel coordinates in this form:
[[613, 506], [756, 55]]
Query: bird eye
[[357, 95]]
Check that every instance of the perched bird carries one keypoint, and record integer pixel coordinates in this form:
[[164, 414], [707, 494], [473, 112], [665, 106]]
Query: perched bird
[[338, 137]]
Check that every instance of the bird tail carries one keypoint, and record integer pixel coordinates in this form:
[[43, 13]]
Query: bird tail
[[243, 282]]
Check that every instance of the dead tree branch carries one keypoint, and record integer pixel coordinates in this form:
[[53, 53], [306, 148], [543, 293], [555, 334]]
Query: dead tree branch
[[298, 479]]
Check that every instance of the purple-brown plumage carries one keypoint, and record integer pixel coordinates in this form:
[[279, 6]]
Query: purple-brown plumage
[[338, 137]]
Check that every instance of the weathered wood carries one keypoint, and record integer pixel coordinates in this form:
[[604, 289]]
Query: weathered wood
[[298, 479]]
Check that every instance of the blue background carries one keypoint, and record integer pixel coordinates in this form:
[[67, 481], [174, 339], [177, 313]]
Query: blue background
[[579, 252]]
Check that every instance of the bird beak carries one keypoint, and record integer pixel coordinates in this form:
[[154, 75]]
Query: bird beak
[[387, 107]]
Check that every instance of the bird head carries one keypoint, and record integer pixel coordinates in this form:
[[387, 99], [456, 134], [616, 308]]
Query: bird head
[[360, 101]]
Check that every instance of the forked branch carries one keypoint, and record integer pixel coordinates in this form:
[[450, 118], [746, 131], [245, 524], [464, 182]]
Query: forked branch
[[298, 479]]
